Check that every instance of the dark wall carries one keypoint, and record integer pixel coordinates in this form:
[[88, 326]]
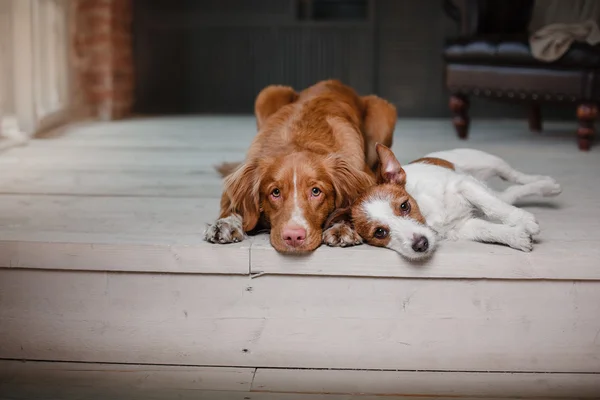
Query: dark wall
[[214, 56], [411, 35]]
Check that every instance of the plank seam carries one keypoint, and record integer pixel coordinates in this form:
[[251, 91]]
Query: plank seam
[[304, 368]]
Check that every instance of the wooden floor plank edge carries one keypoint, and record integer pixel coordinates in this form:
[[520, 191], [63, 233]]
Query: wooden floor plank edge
[[291, 368], [128, 258], [18, 375]]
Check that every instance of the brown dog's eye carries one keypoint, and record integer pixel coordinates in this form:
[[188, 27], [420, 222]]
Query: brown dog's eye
[[276, 192], [405, 207], [380, 233], [316, 191]]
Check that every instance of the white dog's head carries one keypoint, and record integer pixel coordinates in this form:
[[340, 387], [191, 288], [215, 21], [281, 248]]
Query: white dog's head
[[387, 216]]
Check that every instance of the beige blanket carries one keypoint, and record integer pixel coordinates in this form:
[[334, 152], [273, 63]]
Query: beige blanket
[[552, 41], [556, 24]]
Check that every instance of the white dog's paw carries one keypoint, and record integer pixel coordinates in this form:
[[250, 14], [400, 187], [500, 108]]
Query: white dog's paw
[[550, 188], [341, 234], [225, 230], [535, 178], [529, 223], [522, 240], [524, 219], [545, 187]]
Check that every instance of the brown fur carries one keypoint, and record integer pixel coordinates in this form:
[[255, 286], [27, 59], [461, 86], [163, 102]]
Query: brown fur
[[435, 161], [271, 99], [325, 134]]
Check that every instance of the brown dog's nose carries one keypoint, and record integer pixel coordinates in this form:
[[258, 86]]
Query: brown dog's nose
[[294, 237]]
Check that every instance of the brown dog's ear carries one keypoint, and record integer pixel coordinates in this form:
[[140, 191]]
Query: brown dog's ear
[[378, 123], [338, 215], [271, 99], [243, 188], [348, 182], [390, 170]]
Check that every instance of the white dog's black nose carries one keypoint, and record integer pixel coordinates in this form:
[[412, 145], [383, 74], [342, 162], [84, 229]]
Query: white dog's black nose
[[420, 244]]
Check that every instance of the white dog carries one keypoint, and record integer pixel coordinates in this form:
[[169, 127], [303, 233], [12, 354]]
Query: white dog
[[440, 196]]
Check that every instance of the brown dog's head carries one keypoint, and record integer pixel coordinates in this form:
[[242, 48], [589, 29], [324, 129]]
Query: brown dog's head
[[294, 194]]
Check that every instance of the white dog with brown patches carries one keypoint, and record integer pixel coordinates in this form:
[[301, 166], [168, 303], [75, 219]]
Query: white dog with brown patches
[[440, 196]]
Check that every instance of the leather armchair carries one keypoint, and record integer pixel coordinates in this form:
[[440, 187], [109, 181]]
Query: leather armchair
[[491, 58]]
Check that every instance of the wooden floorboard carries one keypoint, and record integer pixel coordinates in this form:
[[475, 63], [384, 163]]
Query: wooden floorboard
[[44, 380], [151, 182], [300, 321], [102, 263]]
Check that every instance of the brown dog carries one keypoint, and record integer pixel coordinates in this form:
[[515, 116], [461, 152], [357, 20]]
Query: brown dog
[[314, 152]]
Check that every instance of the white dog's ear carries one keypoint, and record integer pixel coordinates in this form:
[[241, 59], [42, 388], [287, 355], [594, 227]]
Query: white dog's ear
[[390, 170]]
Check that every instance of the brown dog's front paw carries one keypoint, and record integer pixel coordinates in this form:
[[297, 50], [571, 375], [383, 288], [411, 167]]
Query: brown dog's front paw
[[225, 230], [341, 234]]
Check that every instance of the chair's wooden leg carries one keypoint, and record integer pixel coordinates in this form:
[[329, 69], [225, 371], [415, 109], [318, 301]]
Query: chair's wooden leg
[[459, 105], [535, 118], [586, 114]]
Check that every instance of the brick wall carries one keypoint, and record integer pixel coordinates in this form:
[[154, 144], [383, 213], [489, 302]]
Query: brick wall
[[103, 63]]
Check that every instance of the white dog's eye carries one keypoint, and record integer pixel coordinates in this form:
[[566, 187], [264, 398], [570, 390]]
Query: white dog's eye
[[405, 207], [380, 233]]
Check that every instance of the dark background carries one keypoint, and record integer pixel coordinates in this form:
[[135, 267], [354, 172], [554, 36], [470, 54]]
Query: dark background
[[214, 56]]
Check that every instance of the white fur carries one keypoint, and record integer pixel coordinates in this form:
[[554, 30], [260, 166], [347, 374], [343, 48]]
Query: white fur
[[297, 217], [448, 200]]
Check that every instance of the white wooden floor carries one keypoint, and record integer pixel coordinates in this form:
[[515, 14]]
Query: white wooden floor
[[101, 261], [141, 191]]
